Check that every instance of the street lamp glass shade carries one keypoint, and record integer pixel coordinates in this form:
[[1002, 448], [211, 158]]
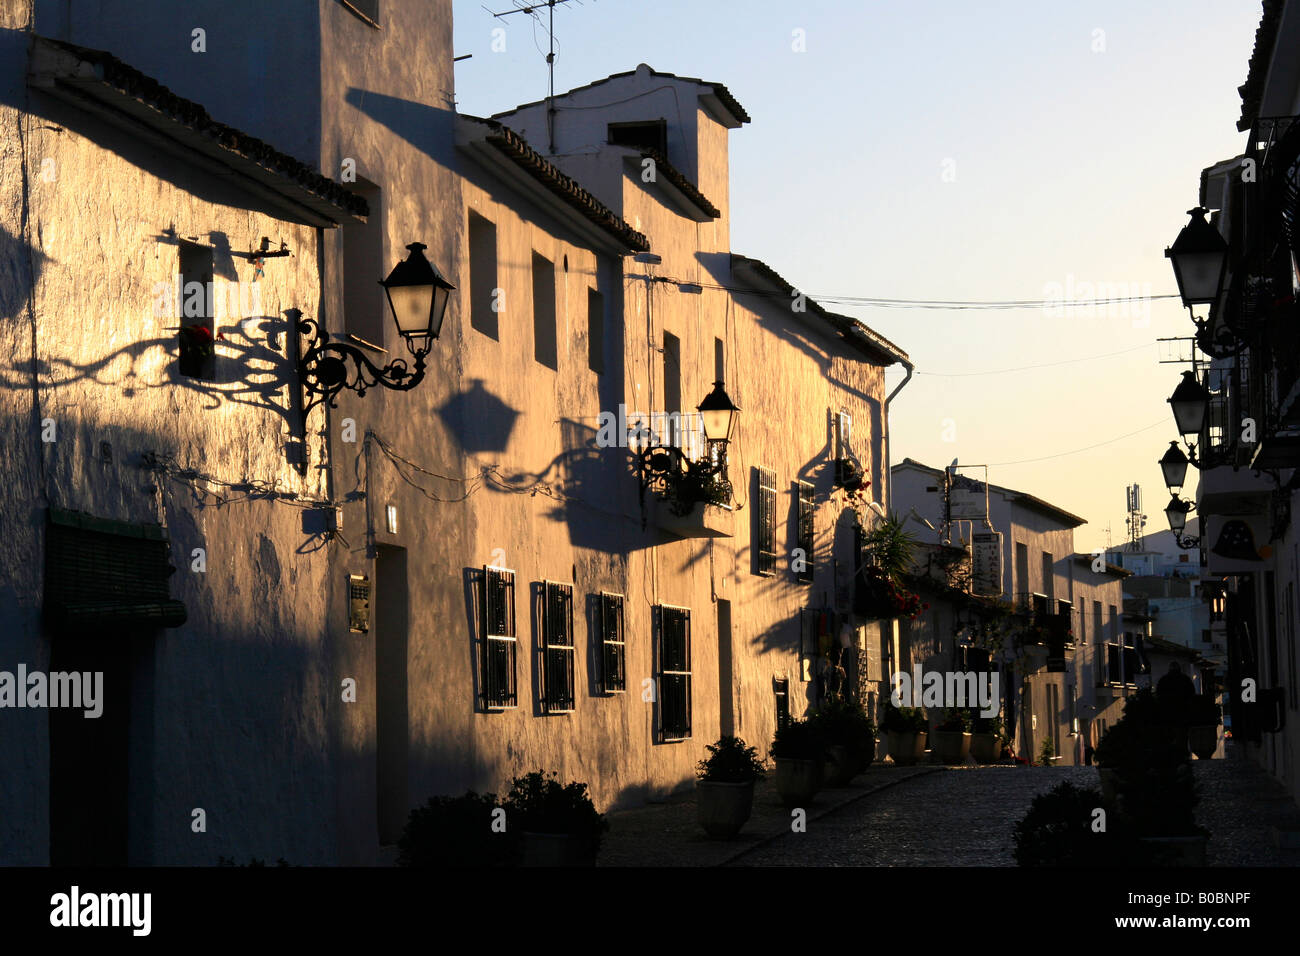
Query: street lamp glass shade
[[1176, 513], [1199, 256], [417, 294], [1190, 403], [1174, 465], [718, 414]]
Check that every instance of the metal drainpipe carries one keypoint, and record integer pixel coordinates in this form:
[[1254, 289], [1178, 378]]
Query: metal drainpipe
[[889, 476]]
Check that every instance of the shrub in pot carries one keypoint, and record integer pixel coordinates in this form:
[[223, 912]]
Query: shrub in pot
[[850, 738], [1058, 831], [456, 831], [905, 730], [725, 790], [1203, 734], [951, 740], [797, 750], [986, 738], [558, 822]]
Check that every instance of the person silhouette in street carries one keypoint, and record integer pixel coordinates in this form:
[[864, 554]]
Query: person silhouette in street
[[1175, 692]]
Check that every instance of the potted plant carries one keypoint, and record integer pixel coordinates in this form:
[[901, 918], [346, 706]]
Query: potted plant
[[1047, 752], [725, 790], [850, 740], [1058, 830], [1203, 734], [456, 831], [797, 751], [559, 823], [888, 549], [905, 731], [986, 738], [952, 737]]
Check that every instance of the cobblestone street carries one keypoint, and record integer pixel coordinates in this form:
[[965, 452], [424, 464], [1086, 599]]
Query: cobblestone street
[[965, 816], [939, 816]]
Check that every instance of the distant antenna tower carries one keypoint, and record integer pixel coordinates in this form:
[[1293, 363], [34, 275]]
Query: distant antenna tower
[[1136, 520], [1108, 543], [550, 60]]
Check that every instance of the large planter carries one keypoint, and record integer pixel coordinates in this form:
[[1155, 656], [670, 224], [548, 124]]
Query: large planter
[[554, 849], [1176, 850], [797, 780], [1204, 741], [985, 748], [906, 747], [952, 746], [723, 808], [841, 766]]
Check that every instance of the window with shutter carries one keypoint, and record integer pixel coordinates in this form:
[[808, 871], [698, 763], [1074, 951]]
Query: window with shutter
[[674, 673], [765, 517], [557, 649], [613, 672], [499, 640], [807, 512]]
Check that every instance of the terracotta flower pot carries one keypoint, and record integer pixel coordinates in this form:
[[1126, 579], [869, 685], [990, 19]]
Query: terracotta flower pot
[[797, 780], [906, 747], [723, 808], [952, 746]]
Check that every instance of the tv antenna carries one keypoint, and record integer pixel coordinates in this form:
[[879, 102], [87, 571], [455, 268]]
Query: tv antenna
[[1136, 520], [531, 9]]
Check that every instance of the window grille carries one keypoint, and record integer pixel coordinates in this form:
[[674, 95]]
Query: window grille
[[499, 639], [807, 525], [765, 515], [613, 672], [781, 688], [557, 650], [674, 672]]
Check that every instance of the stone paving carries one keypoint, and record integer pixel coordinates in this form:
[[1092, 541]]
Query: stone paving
[[668, 834], [940, 816]]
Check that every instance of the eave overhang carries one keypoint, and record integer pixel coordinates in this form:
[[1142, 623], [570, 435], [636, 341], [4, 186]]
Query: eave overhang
[[109, 89]]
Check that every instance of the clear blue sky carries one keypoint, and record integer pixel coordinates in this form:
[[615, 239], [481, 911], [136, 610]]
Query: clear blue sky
[[1071, 166]]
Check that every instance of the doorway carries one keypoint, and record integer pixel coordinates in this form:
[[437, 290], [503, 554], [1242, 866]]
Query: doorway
[[726, 673], [392, 721], [89, 755]]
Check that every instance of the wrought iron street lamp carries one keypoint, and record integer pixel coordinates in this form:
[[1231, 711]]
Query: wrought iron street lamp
[[1200, 258], [417, 297], [1176, 514], [666, 467], [1173, 464], [1191, 405]]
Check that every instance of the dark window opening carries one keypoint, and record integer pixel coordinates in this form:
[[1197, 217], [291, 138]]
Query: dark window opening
[[365, 306], [499, 640], [613, 672], [672, 389], [652, 134], [195, 311], [765, 523], [484, 297], [674, 673], [557, 648], [544, 337], [595, 331], [806, 528], [781, 688]]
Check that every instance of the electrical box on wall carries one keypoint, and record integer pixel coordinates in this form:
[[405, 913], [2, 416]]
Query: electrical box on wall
[[358, 603]]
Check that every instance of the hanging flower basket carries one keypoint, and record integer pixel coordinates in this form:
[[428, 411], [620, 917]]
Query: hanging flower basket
[[885, 598]]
